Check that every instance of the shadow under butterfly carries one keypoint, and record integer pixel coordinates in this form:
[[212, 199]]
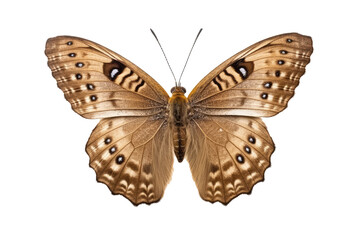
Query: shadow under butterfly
[[217, 128]]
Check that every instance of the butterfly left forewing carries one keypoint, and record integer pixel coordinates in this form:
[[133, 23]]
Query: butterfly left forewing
[[133, 156], [99, 83]]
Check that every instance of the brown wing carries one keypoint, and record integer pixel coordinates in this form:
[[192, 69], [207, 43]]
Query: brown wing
[[228, 155], [130, 149], [133, 156], [100, 83], [229, 147], [258, 81]]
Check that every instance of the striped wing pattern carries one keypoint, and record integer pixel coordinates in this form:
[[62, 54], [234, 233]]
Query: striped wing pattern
[[258, 81], [99, 83]]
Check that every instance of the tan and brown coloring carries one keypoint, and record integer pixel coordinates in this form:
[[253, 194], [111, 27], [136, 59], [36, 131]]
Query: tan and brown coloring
[[217, 128]]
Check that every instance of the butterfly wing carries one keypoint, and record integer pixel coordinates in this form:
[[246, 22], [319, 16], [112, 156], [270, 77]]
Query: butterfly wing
[[227, 155], [133, 156], [130, 149], [229, 147], [99, 83], [258, 81]]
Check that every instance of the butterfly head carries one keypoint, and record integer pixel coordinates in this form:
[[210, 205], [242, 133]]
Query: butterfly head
[[178, 90]]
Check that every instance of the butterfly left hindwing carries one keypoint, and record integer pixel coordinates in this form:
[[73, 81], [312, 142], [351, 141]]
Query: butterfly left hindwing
[[133, 156]]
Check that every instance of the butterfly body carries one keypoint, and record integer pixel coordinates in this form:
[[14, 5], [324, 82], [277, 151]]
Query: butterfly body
[[178, 118], [218, 128]]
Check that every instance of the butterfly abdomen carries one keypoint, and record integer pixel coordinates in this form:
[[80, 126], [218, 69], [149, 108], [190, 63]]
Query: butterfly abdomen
[[178, 121]]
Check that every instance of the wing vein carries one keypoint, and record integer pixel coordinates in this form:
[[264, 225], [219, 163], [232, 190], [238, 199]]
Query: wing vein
[[240, 172], [236, 146], [248, 129], [138, 180], [221, 172], [113, 130], [117, 140]]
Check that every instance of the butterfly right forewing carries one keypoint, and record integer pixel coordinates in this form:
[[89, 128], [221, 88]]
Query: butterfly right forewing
[[258, 81]]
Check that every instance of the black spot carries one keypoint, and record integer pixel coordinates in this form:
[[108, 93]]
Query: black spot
[[69, 43], [90, 86], [93, 98], [247, 149], [113, 69], [120, 159], [289, 40], [277, 73], [107, 140], [252, 139], [79, 64], [72, 55], [112, 150], [78, 76], [264, 95], [240, 158], [281, 62], [268, 84], [283, 52]]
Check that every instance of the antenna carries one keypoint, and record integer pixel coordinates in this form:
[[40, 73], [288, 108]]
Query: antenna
[[164, 56], [189, 56]]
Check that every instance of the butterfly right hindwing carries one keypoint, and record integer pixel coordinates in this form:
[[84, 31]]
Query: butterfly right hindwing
[[228, 155]]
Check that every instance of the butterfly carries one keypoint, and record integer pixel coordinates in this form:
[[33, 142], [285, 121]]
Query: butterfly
[[217, 128]]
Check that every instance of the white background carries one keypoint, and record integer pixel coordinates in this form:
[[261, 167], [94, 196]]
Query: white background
[[49, 192]]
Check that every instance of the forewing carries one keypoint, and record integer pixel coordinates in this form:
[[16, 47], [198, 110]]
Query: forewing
[[99, 83], [258, 81], [133, 156], [227, 155]]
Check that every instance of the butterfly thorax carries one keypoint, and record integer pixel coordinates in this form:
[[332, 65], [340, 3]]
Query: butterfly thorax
[[178, 109]]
